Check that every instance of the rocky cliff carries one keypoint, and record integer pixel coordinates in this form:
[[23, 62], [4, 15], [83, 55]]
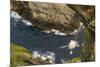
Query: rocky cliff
[[57, 17], [52, 15], [48, 15]]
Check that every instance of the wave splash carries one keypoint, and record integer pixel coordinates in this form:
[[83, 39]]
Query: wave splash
[[50, 56]]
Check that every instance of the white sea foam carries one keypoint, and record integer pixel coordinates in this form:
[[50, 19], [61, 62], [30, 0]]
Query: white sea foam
[[47, 31], [27, 22], [76, 31], [43, 58], [36, 54], [45, 55], [15, 16], [56, 32]]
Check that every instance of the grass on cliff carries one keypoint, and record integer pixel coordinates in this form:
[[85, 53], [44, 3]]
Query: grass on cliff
[[20, 56]]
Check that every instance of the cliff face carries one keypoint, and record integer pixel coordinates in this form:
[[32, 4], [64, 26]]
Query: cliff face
[[52, 15], [48, 15]]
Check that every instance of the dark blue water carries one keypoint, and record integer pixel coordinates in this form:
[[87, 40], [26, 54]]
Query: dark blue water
[[34, 39]]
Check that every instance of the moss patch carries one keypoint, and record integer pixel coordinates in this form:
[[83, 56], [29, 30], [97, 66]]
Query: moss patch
[[20, 56]]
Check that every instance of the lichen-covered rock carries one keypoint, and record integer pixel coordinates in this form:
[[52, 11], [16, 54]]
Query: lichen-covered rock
[[47, 15], [52, 15]]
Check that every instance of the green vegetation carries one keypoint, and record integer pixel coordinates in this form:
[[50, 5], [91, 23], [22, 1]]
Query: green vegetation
[[20, 56], [46, 16], [88, 50], [74, 60]]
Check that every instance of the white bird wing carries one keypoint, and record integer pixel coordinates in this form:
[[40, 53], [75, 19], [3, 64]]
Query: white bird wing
[[63, 47]]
